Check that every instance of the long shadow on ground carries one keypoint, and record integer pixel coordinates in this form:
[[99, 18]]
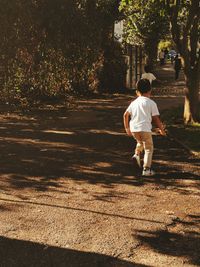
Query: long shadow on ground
[[18, 253]]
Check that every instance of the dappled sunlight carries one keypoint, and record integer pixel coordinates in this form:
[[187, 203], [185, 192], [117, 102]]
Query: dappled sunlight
[[95, 101], [179, 165], [36, 142], [86, 145], [37, 183], [128, 177], [62, 118], [167, 68], [92, 170], [106, 107], [103, 164], [17, 117], [105, 132], [167, 162], [58, 132], [99, 172], [166, 97], [193, 189]]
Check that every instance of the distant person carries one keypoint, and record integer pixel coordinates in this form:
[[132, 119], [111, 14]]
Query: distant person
[[141, 112], [148, 75], [162, 57], [166, 51], [177, 66], [172, 54]]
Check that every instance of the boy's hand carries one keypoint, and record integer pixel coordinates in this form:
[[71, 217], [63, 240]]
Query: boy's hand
[[162, 132]]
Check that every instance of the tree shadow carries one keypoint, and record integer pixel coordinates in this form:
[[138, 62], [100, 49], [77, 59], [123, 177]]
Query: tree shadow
[[184, 243], [18, 253], [41, 148]]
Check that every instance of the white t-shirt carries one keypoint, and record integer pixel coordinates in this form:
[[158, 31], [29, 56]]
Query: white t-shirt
[[149, 76], [141, 110]]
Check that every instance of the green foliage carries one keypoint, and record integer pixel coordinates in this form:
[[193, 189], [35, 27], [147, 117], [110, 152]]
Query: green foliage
[[184, 18], [144, 21], [53, 48], [145, 24], [47, 78], [165, 44]]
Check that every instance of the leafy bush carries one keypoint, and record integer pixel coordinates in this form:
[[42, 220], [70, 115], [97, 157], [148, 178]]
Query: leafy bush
[[33, 79], [55, 48]]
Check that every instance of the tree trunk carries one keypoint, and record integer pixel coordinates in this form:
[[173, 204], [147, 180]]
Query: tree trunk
[[191, 112], [151, 48], [186, 37]]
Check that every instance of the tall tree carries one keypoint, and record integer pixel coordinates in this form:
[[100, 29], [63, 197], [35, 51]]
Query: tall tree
[[145, 25], [184, 18]]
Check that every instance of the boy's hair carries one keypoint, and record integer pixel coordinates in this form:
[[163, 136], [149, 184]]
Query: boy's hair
[[147, 68], [143, 86]]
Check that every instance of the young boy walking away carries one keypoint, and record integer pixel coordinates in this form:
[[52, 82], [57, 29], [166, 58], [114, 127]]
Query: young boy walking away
[[141, 112], [148, 75]]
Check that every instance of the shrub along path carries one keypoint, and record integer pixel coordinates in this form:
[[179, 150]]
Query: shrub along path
[[70, 195]]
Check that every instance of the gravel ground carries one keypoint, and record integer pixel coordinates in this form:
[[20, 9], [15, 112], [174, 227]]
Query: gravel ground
[[71, 196]]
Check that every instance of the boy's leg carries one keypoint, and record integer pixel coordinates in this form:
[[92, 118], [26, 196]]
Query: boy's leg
[[148, 149], [139, 146]]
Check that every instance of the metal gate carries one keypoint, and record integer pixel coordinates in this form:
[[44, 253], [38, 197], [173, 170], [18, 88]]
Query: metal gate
[[135, 62]]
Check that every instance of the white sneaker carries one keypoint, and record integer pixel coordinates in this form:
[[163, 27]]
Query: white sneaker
[[137, 158], [148, 172]]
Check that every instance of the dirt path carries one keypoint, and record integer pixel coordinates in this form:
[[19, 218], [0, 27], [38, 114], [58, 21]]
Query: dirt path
[[70, 196]]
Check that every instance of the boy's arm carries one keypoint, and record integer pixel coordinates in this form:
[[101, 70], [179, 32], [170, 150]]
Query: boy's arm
[[156, 120], [126, 123]]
